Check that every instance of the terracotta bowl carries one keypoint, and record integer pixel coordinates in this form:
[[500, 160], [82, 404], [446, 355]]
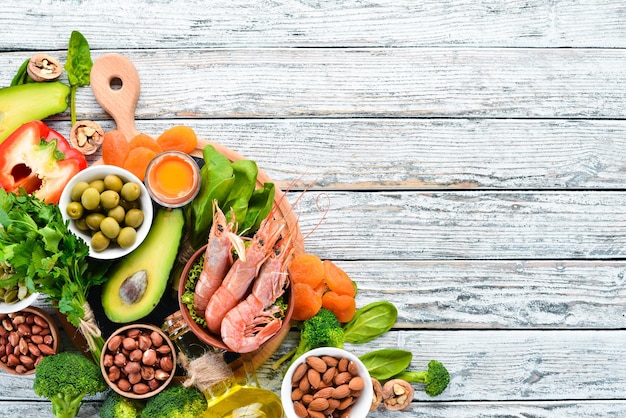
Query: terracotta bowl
[[138, 361], [215, 340], [32, 333]]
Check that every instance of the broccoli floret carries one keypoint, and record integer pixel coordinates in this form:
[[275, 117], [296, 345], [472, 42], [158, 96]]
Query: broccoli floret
[[321, 330], [118, 406], [66, 378], [176, 402], [436, 378]]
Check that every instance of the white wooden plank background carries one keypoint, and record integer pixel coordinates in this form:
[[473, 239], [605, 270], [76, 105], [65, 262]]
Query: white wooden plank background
[[472, 153]]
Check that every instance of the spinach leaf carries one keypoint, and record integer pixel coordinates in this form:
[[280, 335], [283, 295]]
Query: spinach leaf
[[259, 207], [385, 363], [369, 322], [245, 172], [78, 67]]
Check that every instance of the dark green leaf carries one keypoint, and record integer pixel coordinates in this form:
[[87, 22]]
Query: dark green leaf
[[370, 321], [79, 63], [22, 75], [385, 363]]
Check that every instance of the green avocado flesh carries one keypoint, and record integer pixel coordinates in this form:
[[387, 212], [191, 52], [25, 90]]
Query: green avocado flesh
[[137, 283]]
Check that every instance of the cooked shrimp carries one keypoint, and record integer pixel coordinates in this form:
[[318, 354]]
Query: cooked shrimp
[[217, 259], [256, 319], [242, 273]]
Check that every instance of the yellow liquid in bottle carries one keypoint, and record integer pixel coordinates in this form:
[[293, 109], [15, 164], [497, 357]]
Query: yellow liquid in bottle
[[245, 401]]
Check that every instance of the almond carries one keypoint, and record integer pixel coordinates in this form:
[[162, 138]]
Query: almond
[[317, 364], [330, 361], [318, 404], [314, 378], [341, 392], [342, 378], [356, 383], [300, 409], [299, 373], [329, 375], [324, 393]]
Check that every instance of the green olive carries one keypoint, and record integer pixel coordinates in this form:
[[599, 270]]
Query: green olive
[[74, 210], [90, 198], [129, 205], [118, 213], [113, 182], [78, 190], [130, 191], [99, 241], [98, 184], [134, 218], [81, 224], [110, 227], [126, 237], [109, 199], [93, 220]]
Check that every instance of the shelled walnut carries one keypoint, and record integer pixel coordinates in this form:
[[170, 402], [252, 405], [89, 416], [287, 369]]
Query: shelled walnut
[[43, 67], [397, 394], [86, 136]]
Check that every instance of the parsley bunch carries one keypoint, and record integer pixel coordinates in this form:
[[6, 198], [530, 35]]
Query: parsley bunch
[[36, 243]]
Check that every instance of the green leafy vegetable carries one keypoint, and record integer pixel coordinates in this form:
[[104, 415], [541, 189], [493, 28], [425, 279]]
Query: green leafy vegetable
[[37, 244], [233, 185], [78, 67], [370, 321], [385, 363], [22, 76]]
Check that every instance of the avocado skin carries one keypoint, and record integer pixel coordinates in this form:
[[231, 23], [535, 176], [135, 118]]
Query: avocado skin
[[156, 255]]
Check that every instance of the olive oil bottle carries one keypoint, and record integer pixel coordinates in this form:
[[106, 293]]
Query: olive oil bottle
[[227, 396]]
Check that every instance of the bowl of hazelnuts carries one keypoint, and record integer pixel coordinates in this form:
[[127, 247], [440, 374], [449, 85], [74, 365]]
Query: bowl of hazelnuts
[[138, 361]]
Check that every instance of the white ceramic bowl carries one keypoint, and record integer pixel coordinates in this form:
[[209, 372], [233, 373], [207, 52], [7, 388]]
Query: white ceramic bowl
[[360, 408], [6, 308], [99, 172]]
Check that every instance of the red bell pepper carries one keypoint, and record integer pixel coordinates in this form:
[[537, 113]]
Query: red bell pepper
[[39, 160]]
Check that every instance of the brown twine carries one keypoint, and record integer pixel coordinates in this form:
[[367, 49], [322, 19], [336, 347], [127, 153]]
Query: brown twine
[[89, 327], [206, 371]]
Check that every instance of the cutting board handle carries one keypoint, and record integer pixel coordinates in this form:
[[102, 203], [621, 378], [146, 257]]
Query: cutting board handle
[[115, 85]]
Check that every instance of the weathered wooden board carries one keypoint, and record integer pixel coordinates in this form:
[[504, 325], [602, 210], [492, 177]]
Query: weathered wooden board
[[248, 23], [370, 82], [485, 365], [465, 225], [420, 153]]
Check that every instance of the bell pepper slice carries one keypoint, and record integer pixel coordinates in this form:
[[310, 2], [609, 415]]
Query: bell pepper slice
[[38, 160]]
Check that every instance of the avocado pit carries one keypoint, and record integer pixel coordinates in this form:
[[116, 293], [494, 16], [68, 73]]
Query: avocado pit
[[134, 287]]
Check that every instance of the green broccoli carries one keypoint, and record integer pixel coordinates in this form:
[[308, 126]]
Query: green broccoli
[[66, 378], [176, 402], [321, 330], [118, 406], [436, 378]]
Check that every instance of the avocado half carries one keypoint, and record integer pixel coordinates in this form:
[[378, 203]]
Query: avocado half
[[137, 283]]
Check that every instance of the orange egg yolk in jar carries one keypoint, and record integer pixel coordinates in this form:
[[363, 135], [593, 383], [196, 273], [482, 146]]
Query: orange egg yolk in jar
[[173, 179]]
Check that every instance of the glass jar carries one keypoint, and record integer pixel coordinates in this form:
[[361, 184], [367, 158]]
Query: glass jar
[[227, 396]]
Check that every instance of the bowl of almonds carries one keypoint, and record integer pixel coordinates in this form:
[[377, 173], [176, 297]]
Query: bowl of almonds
[[324, 382], [138, 361], [26, 337]]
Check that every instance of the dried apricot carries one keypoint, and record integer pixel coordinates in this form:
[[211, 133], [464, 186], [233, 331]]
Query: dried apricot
[[343, 306], [306, 268], [178, 138], [306, 302], [143, 140], [338, 280], [115, 148], [138, 160]]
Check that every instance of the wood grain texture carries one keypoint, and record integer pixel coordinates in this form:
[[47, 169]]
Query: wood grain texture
[[393, 82], [420, 154], [464, 225], [311, 23]]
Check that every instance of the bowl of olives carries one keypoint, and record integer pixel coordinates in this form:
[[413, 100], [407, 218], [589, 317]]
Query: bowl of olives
[[109, 208]]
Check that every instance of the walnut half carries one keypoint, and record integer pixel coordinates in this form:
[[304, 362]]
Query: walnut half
[[86, 136], [43, 67], [397, 394]]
